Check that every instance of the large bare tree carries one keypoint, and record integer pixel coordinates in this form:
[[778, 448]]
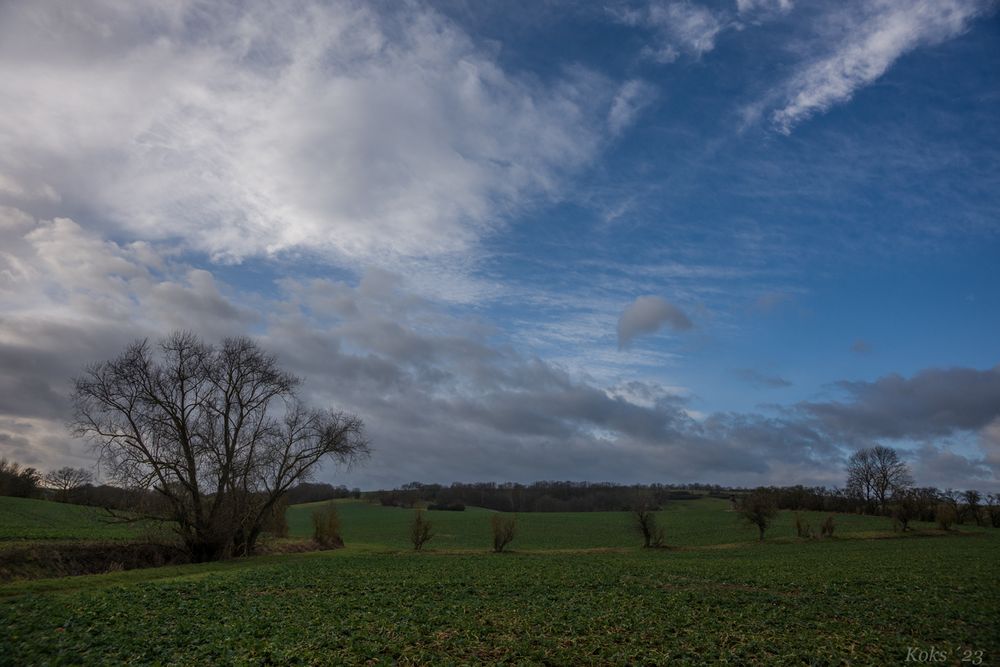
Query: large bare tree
[[876, 473], [217, 431]]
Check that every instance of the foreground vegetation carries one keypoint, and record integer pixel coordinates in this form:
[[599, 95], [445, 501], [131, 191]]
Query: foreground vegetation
[[865, 601], [576, 589]]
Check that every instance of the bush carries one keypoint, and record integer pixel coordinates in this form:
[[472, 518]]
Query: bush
[[420, 530], [826, 528], [802, 529], [945, 516], [504, 529], [326, 527]]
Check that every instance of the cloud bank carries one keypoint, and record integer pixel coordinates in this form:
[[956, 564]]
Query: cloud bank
[[259, 128]]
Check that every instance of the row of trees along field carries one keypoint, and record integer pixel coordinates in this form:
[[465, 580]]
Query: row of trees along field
[[76, 486], [214, 441], [878, 483]]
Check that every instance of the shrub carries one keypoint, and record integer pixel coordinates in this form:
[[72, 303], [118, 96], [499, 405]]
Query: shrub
[[802, 529], [326, 527], [446, 507], [826, 528], [945, 516], [504, 529], [420, 530]]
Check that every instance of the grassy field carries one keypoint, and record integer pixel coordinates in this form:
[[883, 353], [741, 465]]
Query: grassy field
[[576, 590], [23, 519]]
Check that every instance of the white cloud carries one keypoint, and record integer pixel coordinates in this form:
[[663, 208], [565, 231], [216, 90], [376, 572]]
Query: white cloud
[[864, 41], [681, 27], [747, 6], [632, 98], [326, 127]]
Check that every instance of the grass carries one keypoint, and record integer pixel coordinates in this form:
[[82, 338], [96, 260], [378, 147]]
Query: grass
[[576, 590], [25, 519]]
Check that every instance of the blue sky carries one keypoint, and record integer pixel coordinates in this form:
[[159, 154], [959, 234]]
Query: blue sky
[[633, 241]]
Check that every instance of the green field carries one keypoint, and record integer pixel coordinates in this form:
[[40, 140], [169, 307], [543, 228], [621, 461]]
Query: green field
[[23, 519], [576, 590]]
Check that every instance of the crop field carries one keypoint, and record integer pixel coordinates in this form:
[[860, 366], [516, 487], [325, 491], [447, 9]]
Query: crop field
[[23, 519], [864, 601], [575, 590]]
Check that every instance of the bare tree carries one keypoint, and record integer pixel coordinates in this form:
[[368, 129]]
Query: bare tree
[[67, 480], [993, 509], [504, 529], [758, 508], [972, 500], [861, 476], [875, 473], [644, 519], [420, 530], [217, 431]]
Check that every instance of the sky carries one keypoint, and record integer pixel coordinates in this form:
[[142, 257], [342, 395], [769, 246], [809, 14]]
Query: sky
[[653, 241]]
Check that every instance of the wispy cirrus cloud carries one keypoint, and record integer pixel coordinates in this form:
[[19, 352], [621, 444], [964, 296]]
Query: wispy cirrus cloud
[[679, 27], [858, 42], [632, 98]]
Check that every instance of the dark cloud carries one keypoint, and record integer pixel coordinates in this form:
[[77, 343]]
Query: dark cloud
[[932, 403], [649, 314]]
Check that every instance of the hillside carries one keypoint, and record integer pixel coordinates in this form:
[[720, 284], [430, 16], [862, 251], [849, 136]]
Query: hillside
[[28, 519]]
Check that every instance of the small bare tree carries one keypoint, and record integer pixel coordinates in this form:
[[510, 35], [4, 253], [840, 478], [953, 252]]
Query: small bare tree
[[644, 520], [420, 530], [758, 508], [217, 431], [67, 480], [945, 516], [827, 527], [905, 508], [504, 529]]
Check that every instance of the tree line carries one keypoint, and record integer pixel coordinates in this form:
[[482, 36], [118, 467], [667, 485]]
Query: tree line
[[542, 496]]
